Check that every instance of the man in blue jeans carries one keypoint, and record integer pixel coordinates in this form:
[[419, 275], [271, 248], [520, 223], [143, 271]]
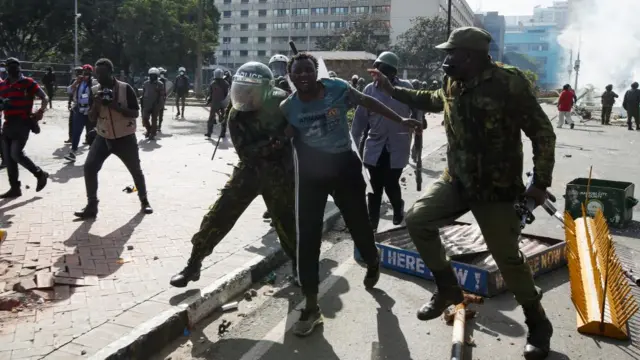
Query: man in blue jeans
[[81, 92]]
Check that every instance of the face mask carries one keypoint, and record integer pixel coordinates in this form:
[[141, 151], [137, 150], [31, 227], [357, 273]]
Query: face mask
[[387, 71], [153, 78], [13, 71], [181, 72]]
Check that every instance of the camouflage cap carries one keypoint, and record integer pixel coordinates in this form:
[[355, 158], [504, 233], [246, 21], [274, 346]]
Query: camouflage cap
[[471, 38]]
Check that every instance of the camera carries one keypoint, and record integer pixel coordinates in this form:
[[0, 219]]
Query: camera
[[106, 95], [4, 103]]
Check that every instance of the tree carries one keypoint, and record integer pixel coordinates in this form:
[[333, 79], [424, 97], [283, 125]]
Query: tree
[[416, 46], [36, 30], [363, 34]]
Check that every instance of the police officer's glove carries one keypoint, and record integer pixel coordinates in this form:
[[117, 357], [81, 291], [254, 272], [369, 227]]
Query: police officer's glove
[[536, 193]]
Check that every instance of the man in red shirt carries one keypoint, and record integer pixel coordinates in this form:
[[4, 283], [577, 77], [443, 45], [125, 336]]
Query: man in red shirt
[[19, 120], [565, 103]]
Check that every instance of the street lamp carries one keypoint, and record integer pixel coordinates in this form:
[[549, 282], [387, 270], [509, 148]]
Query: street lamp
[[75, 33]]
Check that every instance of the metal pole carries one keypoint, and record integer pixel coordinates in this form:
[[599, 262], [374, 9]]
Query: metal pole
[[577, 67], [198, 77], [449, 18], [75, 34]]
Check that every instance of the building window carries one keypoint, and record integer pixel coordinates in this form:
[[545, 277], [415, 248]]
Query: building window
[[226, 1], [226, 27], [226, 40], [262, 26], [280, 26], [244, 52], [381, 9], [280, 12], [244, 27], [244, 40], [384, 24], [226, 14], [262, 53], [300, 39], [244, 13], [301, 11], [226, 53], [262, 40], [299, 25], [319, 25], [262, 13], [320, 11], [244, 1], [359, 9], [338, 24], [339, 10], [262, 1]]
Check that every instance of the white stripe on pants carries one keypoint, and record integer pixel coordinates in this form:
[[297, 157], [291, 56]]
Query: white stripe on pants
[[562, 116]]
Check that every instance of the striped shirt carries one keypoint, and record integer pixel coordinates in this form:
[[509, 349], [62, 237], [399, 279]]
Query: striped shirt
[[21, 95]]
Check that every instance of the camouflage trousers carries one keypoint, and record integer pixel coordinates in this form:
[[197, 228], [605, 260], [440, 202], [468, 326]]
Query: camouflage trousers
[[274, 180], [441, 204]]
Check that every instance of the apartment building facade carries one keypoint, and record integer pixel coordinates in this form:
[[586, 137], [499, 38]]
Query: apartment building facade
[[254, 30]]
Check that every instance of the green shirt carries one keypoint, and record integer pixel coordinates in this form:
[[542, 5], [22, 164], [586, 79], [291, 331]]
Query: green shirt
[[483, 121]]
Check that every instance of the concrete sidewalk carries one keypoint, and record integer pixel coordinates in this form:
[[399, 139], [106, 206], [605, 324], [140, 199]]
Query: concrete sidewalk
[[100, 289]]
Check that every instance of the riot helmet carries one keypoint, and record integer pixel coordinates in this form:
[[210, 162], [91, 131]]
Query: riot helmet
[[153, 74], [387, 63], [332, 74], [218, 74], [182, 70], [278, 65], [251, 85]]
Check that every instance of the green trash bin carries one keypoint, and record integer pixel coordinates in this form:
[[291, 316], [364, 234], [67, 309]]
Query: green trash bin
[[614, 198]]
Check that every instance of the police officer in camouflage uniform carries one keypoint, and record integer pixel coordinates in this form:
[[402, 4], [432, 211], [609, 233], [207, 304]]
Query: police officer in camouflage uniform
[[484, 172], [218, 91], [151, 101], [631, 105], [608, 98], [163, 100], [265, 168], [278, 66]]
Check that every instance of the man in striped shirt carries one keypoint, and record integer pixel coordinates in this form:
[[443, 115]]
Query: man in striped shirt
[[19, 121]]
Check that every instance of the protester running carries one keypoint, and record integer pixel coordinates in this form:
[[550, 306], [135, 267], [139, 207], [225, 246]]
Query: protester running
[[19, 121]]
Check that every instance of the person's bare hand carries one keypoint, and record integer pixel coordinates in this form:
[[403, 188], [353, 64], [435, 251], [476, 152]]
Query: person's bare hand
[[381, 81], [414, 124]]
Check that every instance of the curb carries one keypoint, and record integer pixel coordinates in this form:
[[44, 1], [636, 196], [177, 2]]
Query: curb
[[155, 334]]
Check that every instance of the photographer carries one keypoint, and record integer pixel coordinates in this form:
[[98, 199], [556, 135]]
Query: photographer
[[114, 109], [80, 91], [19, 92]]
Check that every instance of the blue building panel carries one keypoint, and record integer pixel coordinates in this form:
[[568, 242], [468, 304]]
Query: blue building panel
[[538, 42]]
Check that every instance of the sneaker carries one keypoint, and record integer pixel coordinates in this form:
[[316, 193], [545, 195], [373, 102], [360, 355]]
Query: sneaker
[[68, 141], [70, 156], [308, 321]]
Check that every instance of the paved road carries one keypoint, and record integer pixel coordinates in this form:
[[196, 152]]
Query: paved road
[[381, 324]]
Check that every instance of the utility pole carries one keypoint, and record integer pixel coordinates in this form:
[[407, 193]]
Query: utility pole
[[449, 19], [75, 33], [577, 65], [198, 77]]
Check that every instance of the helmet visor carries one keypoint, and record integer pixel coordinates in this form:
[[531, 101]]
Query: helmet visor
[[248, 94], [279, 68]]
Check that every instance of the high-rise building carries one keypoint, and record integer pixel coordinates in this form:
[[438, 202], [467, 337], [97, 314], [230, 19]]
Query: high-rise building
[[254, 30], [495, 25]]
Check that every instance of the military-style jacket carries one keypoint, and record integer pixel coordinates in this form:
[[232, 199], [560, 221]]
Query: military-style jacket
[[631, 100], [252, 132], [484, 118], [609, 98], [152, 95]]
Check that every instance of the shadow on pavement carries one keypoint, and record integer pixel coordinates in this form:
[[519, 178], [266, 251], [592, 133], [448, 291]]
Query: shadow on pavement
[[631, 231], [391, 343], [67, 172], [114, 242], [5, 219], [177, 299], [148, 145]]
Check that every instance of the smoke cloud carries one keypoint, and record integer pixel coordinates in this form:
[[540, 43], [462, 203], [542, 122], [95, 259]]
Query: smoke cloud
[[609, 41]]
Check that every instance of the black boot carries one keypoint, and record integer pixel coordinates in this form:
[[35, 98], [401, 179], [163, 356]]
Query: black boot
[[373, 274], [448, 293], [89, 212], [145, 207], [42, 177], [13, 192], [190, 273], [266, 215], [539, 334], [398, 213]]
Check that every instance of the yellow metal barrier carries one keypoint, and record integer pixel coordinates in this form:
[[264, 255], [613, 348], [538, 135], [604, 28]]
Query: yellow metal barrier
[[599, 288]]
